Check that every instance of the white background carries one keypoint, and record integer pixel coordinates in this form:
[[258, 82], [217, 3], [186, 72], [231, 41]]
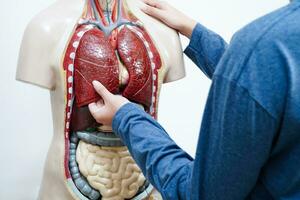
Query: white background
[[25, 114]]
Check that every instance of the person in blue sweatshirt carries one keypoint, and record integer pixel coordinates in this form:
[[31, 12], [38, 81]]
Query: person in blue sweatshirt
[[249, 141]]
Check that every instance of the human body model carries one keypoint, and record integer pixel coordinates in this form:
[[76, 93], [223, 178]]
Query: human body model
[[64, 49]]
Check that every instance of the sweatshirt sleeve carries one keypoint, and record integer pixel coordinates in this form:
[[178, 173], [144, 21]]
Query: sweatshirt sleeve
[[205, 49], [165, 165], [235, 141]]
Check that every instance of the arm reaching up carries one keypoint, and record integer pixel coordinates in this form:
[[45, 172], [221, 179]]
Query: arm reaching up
[[170, 16], [206, 47]]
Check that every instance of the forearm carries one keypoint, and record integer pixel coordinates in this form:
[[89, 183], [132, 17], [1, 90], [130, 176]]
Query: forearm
[[205, 49], [187, 28], [164, 164]]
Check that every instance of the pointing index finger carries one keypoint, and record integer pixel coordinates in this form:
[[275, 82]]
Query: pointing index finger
[[101, 90]]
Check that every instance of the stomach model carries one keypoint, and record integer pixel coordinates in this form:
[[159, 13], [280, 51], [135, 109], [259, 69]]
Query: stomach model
[[106, 47]]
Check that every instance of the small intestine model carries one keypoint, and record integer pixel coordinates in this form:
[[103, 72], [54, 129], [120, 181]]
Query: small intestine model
[[108, 44]]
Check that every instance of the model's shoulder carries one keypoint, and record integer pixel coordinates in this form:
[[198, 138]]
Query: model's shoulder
[[56, 15]]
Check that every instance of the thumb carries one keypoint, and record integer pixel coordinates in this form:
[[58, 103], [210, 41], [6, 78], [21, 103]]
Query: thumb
[[102, 91], [95, 111], [93, 108]]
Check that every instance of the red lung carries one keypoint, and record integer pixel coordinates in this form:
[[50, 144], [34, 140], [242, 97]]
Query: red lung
[[95, 60], [134, 55]]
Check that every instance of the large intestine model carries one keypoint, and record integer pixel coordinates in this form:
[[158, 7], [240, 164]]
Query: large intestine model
[[115, 49]]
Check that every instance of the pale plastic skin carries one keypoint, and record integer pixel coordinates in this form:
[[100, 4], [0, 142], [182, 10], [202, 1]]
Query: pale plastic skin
[[40, 63]]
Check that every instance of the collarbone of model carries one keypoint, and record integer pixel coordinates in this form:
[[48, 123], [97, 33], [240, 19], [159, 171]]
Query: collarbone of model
[[105, 22]]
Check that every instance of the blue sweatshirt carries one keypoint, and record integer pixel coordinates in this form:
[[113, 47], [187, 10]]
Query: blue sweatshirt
[[249, 141]]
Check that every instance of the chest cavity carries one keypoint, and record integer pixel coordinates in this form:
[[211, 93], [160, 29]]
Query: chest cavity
[[98, 58]]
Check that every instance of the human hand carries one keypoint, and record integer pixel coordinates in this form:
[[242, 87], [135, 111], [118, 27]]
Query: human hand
[[169, 15], [105, 109]]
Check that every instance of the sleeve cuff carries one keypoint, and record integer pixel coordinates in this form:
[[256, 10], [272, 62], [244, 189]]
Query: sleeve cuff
[[122, 112], [195, 40]]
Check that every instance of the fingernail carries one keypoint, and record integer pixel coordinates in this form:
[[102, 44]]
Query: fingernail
[[95, 82], [92, 106]]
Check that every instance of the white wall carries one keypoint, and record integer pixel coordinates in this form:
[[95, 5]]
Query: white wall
[[25, 120]]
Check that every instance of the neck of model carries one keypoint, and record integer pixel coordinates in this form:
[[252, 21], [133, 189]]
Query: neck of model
[[106, 5], [105, 10]]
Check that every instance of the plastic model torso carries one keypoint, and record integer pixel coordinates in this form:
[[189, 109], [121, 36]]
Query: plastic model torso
[[130, 54]]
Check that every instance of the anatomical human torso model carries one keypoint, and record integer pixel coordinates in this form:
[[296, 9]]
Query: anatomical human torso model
[[64, 49]]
